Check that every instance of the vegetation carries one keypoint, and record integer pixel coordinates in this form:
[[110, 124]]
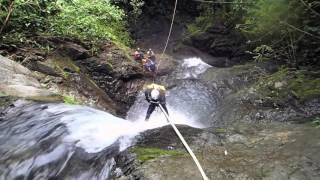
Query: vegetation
[[145, 154], [70, 100], [289, 27], [82, 19], [300, 84], [316, 122]]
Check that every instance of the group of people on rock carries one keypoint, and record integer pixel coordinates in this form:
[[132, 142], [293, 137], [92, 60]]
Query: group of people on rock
[[154, 93], [148, 62]]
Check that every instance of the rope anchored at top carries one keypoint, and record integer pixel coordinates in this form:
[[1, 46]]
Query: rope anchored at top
[[168, 38]]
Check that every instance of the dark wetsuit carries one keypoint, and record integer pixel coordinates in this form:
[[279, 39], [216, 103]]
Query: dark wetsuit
[[154, 103]]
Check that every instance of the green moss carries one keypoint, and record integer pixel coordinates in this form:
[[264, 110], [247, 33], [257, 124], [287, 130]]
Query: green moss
[[2, 94], [220, 130], [298, 83], [316, 122], [61, 62], [145, 154], [200, 25], [70, 100]]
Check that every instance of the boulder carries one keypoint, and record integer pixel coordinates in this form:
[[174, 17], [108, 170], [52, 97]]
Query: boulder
[[18, 81], [225, 44], [244, 151], [72, 50], [166, 65], [36, 65]]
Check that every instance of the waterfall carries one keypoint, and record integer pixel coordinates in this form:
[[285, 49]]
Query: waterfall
[[79, 142]]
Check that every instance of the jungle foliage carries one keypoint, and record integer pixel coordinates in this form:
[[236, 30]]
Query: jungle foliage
[[81, 19], [289, 28]]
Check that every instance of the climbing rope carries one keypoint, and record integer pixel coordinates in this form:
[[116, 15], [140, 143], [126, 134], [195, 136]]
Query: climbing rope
[[168, 38], [185, 144], [166, 115]]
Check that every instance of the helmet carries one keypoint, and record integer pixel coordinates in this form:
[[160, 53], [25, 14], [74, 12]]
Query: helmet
[[155, 94]]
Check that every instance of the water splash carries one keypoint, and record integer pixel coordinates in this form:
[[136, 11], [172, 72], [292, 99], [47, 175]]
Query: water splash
[[94, 130], [194, 66]]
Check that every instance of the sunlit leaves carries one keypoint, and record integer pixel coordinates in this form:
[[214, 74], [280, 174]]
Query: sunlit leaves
[[90, 19], [83, 19]]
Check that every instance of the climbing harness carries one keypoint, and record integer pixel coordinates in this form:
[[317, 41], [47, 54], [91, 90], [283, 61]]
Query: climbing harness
[[185, 144]]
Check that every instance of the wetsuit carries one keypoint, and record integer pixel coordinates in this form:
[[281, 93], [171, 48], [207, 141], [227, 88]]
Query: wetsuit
[[155, 102]]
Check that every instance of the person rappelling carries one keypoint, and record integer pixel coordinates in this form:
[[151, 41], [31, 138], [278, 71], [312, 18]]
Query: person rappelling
[[155, 95]]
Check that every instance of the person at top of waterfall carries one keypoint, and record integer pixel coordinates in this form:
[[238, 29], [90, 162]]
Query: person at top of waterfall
[[138, 55], [150, 62], [150, 65], [155, 94], [151, 55]]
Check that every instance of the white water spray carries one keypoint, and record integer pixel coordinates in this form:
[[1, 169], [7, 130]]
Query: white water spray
[[94, 130]]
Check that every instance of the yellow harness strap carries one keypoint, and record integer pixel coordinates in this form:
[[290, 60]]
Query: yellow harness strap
[[155, 86]]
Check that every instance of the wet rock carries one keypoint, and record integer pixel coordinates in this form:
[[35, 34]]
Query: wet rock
[[259, 116], [162, 138], [237, 138], [18, 81], [68, 70], [73, 50], [5, 102], [166, 65], [274, 151], [225, 43], [240, 100], [227, 81], [119, 77], [3, 53], [35, 64], [33, 145], [165, 137]]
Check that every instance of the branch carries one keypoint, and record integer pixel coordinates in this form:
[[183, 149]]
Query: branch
[[300, 30], [215, 2], [10, 10], [310, 8]]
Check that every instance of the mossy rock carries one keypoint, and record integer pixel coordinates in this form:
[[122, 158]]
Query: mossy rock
[[71, 100], [145, 153], [297, 83]]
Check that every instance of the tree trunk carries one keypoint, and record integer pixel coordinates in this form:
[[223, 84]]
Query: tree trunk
[[10, 10]]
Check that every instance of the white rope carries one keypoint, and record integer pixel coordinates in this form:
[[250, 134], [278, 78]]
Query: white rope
[[167, 42], [185, 144]]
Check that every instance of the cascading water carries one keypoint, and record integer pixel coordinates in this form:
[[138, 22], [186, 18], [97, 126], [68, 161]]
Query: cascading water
[[189, 100], [56, 140], [42, 141]]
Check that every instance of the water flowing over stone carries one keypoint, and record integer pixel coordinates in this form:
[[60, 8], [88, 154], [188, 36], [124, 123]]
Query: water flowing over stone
[[16, 80], [78, 142], [189, 100], [58, 140]]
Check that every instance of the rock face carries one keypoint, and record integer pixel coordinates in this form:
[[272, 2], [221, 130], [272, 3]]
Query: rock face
[[243, 151], [73, 50], [241, 101], [117, 75], [35, 65], [223, 42], [18, 81]]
